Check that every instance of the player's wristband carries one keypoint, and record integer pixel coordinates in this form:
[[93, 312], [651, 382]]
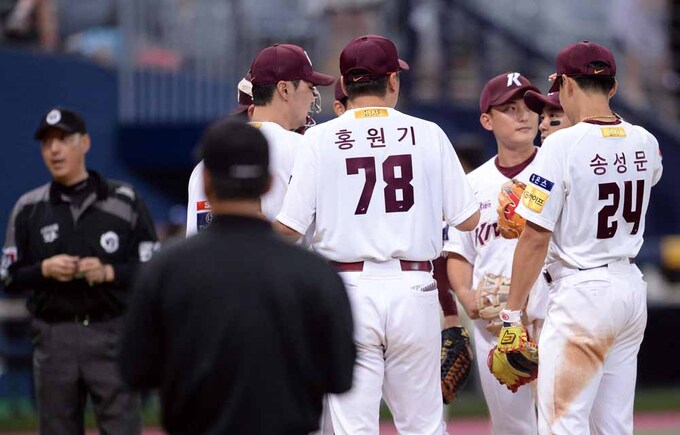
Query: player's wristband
[[510, 317]]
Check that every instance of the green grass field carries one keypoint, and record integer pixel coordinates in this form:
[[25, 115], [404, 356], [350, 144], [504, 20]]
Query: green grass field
[[20, 416]]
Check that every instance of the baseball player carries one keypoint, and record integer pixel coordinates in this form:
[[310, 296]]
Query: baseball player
[[586, 198], [378, 182], [456, 354], [283, 90], [198, 207], [474, 255], [551, 116]]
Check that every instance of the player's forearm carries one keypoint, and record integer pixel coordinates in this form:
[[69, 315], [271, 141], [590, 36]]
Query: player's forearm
[[527, 264], [459, 271], [460, 276]]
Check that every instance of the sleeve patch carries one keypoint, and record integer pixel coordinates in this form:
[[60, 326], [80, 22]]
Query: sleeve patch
[[541, 182], [534, 199]]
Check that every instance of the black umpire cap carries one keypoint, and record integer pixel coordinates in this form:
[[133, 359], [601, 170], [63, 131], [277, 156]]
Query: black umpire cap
[[237, 156], [62, 119]]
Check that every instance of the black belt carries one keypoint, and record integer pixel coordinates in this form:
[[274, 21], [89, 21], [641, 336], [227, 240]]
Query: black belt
[[406, 266], [84, 319]]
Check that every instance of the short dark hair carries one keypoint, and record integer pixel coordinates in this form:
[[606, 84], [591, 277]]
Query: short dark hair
[[237, 157], [263, 94], [600, 84], [374, 87]]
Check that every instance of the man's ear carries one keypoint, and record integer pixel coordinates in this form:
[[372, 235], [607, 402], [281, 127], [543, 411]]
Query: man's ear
[[569, 83], [613, 90], [283, 89], [393, 82], [338, 108], [85, 143], [486, 121]]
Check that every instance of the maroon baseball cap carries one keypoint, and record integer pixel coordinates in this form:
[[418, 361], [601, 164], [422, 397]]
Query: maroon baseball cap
[[285, 62], [339, 94], [369, 57], [503, 88], [537, 101], [244, 96], [576, 59]]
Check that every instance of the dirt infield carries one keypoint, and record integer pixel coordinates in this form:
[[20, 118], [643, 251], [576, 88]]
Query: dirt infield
[[647, 423]]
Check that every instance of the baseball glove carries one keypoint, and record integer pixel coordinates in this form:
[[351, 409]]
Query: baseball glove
[[510, 224], [514, 360], [456, 361], [492, 293]]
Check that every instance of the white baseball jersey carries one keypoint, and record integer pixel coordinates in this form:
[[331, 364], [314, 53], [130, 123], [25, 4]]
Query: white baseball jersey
[[590, 185], [484, 247], [283, 145], [378, 182]]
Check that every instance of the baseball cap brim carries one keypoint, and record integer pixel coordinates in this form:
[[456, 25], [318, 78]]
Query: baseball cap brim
[[319, 79], [44, 128], [511, 94], [555, 87], [537, 101], [403, 66]]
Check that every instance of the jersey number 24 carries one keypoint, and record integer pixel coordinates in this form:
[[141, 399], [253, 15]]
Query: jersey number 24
[[398, 190], [607, 229]]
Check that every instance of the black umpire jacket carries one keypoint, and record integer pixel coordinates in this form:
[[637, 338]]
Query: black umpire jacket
[[242, 332], [112, 223]]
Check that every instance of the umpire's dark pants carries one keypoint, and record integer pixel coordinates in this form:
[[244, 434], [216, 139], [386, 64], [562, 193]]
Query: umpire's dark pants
[[72, 359]]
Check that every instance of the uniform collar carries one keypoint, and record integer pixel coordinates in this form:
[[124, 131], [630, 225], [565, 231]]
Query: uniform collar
[[100, 187], [513, 171]]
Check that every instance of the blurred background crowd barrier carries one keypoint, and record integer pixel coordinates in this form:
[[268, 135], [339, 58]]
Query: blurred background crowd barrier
[[148, 75]]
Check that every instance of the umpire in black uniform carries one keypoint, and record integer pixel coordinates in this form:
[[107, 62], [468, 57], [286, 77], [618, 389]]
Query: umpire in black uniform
[[243, 332], [74, 243]]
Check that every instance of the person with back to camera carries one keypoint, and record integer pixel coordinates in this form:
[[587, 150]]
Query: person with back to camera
[[584, 204], [216, 334], [364, 178]]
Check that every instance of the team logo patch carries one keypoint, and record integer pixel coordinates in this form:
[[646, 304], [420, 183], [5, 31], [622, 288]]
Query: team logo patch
[[255, 124], [50, 233], [53, 117], [204, 215], [613, 131], [508, 337], [534, 199], [371, 113], [109, 242], [541, 182]]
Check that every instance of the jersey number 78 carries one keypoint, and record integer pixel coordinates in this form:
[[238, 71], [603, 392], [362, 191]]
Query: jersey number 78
[[397, 172]]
